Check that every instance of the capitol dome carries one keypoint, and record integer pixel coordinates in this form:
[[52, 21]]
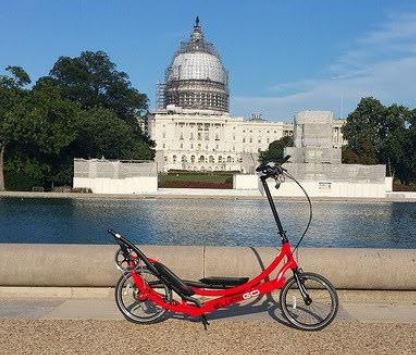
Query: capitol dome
[[196, 77]]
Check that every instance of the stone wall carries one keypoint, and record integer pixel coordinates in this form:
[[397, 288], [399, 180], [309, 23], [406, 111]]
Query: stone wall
[[115, 177], [93, 265]]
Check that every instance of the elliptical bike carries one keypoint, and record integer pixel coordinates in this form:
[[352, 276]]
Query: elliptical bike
[[144, 293]]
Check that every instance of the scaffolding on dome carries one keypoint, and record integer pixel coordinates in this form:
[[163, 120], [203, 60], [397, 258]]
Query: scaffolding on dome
[[160, 95], [196, 77]]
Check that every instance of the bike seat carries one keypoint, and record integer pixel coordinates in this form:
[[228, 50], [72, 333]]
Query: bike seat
[[174, 281], [224, 281]]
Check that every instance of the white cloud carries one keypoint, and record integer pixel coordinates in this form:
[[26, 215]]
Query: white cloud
[[381, 64]]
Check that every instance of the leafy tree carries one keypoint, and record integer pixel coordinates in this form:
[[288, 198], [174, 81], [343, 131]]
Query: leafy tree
[[406, 165], [11, 92], [40, 126], [102, 133], [276, 149], [395, 134], [364, 131], [93, 81], [379, 135]]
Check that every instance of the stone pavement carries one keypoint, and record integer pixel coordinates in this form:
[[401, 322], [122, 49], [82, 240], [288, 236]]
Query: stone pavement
[[361, 309], [369, 323]]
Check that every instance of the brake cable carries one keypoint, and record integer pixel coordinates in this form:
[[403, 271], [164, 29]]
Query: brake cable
[[310, 210]]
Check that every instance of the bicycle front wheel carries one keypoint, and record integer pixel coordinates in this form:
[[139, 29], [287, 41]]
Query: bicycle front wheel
[[314, 313]]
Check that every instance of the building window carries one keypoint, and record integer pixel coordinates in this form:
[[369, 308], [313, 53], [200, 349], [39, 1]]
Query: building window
[[201, 159], [229, 159], [211, 159], [164, 145], [183, 159], [244, 140], [220, 159], [165, 159], [193, 158], [163, 135], [174, 158], [251, 140], [181, 145]]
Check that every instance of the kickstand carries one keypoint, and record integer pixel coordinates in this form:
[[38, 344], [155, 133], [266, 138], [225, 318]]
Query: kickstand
[[204, 321]]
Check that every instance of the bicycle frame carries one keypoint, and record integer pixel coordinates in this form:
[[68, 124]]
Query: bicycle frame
[[225, 297], [222, 298]]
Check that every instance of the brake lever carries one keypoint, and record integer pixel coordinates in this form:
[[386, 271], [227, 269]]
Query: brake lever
[[279, 179]]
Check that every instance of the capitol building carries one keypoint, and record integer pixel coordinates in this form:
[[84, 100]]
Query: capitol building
[[192, 126]]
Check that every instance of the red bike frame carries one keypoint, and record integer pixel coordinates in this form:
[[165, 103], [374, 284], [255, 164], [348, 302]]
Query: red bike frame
[[224, 297], [221, 297]]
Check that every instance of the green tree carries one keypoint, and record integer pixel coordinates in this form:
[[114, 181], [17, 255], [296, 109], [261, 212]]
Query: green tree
[[102, 133], [364, 132], [276, 149], [40, 127], [379, 135], [12, 90], [406, 163], [93, 81]]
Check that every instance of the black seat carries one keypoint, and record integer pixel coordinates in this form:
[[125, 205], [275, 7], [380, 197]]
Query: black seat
[[175, 282], [222, 281]]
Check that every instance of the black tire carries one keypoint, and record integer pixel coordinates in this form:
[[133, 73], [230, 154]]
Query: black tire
[[141, 312], [320, 313]]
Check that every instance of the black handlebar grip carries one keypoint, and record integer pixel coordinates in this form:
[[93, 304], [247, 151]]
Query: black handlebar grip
[[285, 159]]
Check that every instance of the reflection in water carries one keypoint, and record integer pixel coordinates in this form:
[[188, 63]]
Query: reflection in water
[[207, 222]]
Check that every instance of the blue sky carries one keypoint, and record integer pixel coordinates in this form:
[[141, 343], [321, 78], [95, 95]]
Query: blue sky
[[282, 56]]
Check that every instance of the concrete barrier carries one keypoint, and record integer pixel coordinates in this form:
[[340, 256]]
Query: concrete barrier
[[92, 265]]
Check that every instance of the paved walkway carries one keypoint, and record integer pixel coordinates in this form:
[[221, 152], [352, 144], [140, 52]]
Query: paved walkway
[[105, 309], [94, 325]]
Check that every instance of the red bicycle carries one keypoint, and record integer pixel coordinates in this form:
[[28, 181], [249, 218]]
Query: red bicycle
[[144, 293]]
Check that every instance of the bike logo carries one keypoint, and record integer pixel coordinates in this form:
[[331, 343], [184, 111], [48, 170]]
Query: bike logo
[[251, 294]]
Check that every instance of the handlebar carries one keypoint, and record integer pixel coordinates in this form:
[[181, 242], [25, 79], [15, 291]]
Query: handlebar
[[272, 169]]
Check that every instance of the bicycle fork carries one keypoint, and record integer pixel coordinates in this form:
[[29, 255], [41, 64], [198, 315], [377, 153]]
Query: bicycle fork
[[304, 293]]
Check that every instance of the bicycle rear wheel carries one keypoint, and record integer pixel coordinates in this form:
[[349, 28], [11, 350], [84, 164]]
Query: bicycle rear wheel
[[323, 305], [128, 298]]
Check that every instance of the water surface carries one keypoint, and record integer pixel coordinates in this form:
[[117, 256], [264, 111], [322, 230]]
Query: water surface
[[207, 222]]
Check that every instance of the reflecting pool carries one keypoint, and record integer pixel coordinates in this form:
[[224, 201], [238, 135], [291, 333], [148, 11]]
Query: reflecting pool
[[207, 222]]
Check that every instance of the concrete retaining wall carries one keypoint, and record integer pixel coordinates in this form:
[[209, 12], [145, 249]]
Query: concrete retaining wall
[[323, 188], [129, 185], [92, 266]]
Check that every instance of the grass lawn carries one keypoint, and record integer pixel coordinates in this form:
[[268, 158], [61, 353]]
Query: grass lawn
[[214, 180]]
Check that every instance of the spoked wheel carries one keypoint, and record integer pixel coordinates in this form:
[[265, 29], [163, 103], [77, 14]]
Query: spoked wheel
[[129, 303], [317, 311]]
